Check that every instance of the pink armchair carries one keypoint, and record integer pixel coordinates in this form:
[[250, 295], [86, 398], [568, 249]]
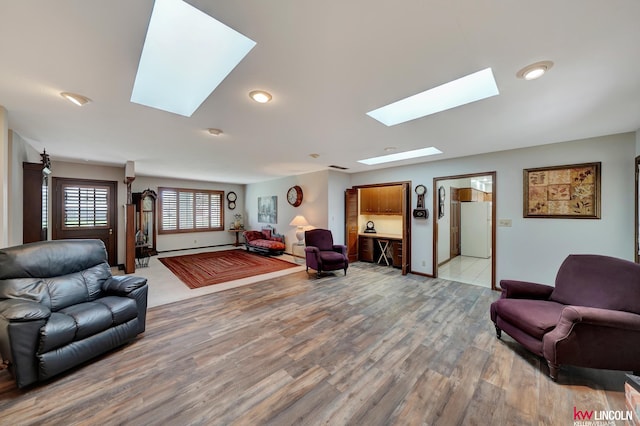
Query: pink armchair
[[591, 318], [321, 254]]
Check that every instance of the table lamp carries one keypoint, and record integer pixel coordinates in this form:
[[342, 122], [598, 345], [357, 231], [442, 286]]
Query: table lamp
[[300, 222]]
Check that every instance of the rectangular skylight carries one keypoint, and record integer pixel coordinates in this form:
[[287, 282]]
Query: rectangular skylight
[[471, 88], [185, 56], [422, 152]]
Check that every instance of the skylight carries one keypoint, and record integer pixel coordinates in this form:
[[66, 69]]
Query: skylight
[[471, 88], [422, 152], [185, 56]]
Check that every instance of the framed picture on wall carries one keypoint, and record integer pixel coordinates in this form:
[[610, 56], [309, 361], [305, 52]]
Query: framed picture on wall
[[569, 192], [268, 209]]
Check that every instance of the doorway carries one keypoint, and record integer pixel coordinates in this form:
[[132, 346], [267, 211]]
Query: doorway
[[464, 237], [393, 207], [84, 208]]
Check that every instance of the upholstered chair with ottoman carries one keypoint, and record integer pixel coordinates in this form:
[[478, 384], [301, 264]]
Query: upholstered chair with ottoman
[[60, 306]]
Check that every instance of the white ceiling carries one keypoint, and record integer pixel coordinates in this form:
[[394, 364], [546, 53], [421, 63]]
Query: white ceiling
[[326, 64]]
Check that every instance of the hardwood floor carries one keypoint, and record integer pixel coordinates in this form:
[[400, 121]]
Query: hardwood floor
[[371, 348]]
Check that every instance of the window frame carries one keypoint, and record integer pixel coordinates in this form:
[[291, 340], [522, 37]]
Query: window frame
[[194, 209]]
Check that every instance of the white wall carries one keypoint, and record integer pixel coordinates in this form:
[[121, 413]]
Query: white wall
[[532, 249], [338, 183], [4, 178], [320, 190], [19, 151], [168, 242]]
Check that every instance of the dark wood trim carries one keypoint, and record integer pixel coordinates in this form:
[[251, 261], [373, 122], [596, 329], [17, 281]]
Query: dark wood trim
[[406, 218], [107, 234], [32, 180], [494, 203], [636, 246]]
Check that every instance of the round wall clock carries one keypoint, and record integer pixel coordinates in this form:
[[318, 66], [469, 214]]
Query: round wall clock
[[421, 190], [231, 200], [294, 196]]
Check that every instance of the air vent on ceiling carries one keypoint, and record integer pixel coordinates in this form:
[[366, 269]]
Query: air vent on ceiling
[[338, 167]]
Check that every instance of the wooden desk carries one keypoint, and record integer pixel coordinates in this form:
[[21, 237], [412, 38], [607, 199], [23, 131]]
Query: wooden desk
[[369, 249], [237, 232]]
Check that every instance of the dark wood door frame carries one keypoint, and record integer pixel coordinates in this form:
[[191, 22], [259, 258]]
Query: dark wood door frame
[[406, 219], [494, 203]]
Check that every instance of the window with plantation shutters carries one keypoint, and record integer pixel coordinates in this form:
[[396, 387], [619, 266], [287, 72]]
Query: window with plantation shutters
[[85, 206], [190, 210]]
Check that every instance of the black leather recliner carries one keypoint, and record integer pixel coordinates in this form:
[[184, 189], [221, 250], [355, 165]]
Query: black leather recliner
[[60, 306]]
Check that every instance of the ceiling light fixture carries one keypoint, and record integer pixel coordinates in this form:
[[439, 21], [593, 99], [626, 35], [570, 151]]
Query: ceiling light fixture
[[533, 71], [390, 149], [75, 98], [422, 152], [470, 88], [214, 132], [260, 96]]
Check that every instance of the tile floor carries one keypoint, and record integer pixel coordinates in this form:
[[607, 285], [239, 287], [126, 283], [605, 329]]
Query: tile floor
[[165, 287], [465, 269]]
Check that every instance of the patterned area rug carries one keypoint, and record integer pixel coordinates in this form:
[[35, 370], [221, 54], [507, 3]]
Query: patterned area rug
[[203, 269]]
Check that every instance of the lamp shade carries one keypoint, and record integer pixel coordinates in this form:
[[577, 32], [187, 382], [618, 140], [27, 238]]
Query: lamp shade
[[299, 221]]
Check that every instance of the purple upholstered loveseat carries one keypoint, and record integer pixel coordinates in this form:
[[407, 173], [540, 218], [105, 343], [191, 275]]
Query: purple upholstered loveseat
[[591, 318]]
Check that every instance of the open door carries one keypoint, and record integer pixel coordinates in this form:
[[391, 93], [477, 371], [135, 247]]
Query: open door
[[406, 228], [351, 216]]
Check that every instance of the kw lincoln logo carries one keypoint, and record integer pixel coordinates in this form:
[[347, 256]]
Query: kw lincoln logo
[[600, 418]]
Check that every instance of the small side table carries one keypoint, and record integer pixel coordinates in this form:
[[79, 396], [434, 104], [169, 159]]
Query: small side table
[[237, 232]]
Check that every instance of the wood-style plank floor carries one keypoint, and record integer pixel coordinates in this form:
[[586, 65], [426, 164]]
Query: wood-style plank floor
[[371, 348]]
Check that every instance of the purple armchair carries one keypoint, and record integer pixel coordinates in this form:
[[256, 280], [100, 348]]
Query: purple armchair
[[321, 254], [591, 318]]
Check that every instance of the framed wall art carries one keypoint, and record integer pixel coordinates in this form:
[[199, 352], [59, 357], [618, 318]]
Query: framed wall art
[[268, 209], [569, 192]]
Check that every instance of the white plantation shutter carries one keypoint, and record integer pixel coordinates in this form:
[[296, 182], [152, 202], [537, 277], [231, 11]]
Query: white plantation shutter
[[169, 210], [190, 210], [185, 210], [85, 206], [216, 210]]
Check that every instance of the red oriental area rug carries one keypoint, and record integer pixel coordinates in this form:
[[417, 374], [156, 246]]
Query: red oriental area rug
[[203, 269]]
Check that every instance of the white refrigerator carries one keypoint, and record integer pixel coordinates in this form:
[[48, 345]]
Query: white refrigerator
[[475, 229]]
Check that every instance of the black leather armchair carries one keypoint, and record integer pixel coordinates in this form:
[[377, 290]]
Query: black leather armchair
[[60, 306]]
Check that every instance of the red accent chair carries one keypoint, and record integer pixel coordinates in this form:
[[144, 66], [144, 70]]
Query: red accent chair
[[591, 318], [321, 254]]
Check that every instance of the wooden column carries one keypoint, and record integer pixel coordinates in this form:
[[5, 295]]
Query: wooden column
[[130, 258]]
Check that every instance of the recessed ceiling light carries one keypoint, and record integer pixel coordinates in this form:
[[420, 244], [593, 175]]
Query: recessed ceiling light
[[390, 148], [75, 98], [186, 55], [533, 71], [467, 89], [422, 152], [314, 155], [260, 96], [214, 132]]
